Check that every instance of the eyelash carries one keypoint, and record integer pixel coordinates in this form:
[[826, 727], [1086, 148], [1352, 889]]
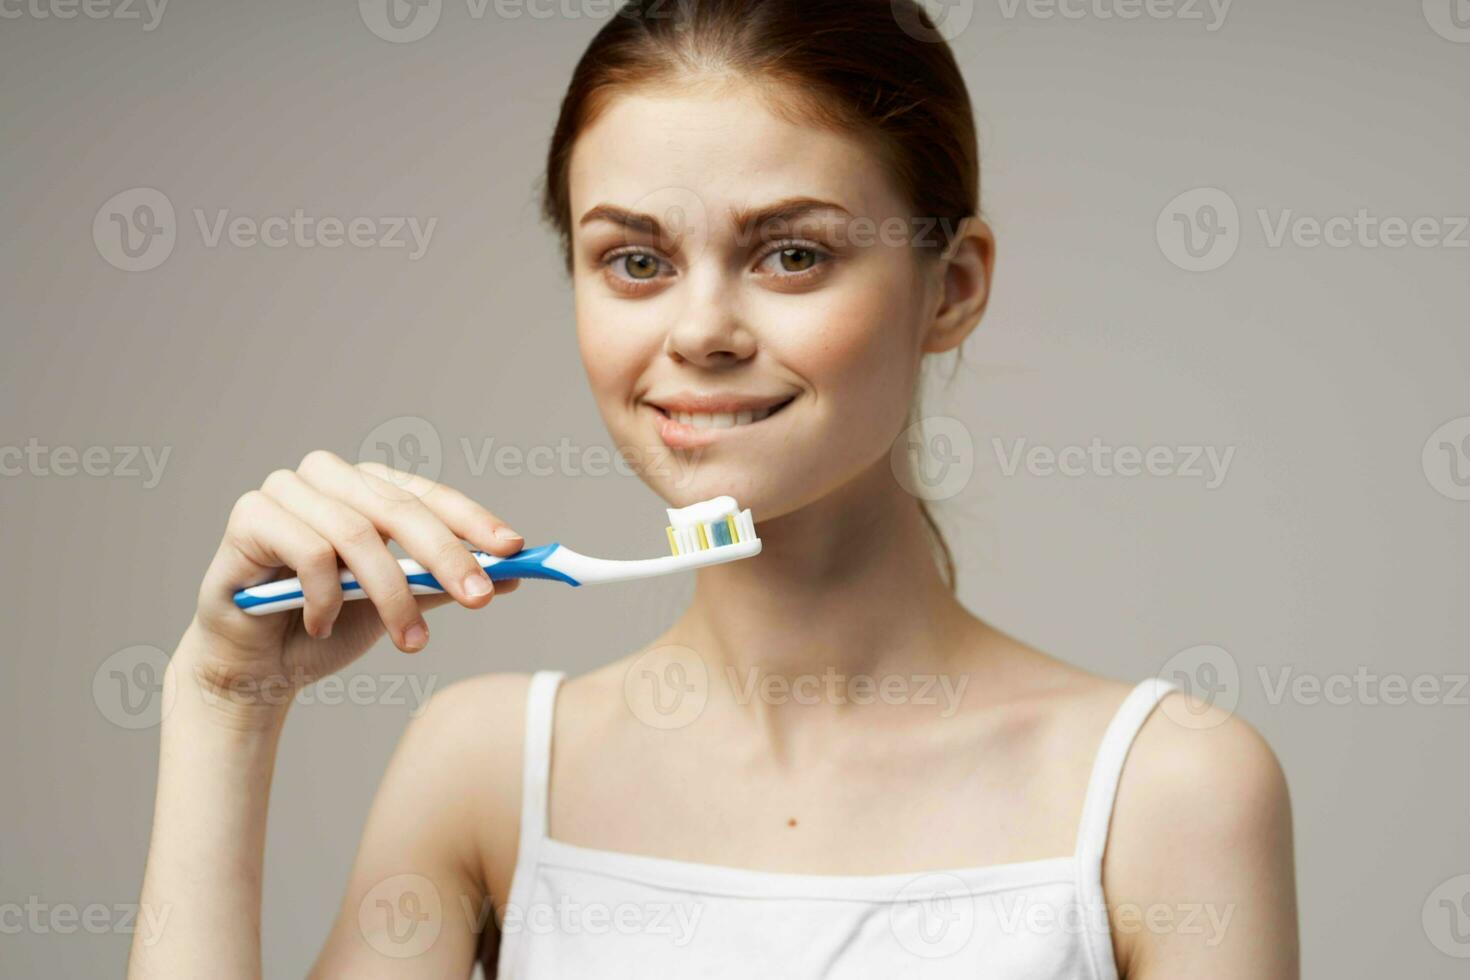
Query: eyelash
[[774, 248]]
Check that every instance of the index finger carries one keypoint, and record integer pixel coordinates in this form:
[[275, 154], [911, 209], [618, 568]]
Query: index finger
[[462, 515]]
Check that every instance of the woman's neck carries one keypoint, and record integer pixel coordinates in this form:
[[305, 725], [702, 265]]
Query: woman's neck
[[847, 585]]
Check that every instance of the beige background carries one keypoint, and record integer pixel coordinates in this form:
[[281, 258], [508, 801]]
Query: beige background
[[1327, 549]]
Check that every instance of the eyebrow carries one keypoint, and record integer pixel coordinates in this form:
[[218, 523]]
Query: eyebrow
[[745, 219]]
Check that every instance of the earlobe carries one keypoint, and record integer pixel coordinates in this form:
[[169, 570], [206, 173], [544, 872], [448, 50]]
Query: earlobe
[[966, 272]]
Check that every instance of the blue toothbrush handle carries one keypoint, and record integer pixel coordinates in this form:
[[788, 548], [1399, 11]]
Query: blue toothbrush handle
[[284, 594]]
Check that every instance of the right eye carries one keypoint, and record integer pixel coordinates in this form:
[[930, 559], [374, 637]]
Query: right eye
[[634, 266]]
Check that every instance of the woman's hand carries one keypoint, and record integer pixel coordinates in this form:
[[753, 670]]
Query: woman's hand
[[312, 520], [235, 675]]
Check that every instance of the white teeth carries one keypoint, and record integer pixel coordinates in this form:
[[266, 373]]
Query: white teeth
[[720, 420]]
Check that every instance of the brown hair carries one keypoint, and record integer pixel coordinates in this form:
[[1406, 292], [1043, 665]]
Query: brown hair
[[875, 68]]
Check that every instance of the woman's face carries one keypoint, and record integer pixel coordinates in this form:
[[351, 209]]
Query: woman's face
[[773, 360]]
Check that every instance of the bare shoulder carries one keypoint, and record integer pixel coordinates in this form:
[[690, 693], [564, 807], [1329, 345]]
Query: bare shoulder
[[470, 738], [446, 809], [1201, 829], [1198, 870], [1197, 776], [478, 720], [462, 704]]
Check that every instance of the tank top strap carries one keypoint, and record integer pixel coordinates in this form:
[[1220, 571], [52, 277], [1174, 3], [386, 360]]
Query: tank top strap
[[1097, 810], [536, 764], [1107, 766]]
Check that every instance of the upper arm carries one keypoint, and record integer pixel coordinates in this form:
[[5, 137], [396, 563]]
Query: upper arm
[[1198, 872], [417, 900]]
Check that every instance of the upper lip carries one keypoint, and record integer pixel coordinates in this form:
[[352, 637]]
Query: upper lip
[[696, 403]]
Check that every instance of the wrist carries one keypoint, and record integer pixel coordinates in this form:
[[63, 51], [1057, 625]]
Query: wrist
[[200, 687]]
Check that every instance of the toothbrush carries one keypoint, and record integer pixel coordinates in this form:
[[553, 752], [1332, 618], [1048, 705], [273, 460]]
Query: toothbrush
[[710, 532]]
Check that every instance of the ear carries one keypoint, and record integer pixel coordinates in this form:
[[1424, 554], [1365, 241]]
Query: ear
[[966, 267]]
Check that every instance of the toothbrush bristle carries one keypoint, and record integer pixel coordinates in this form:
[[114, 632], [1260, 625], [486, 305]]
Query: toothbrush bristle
[[734, 528]]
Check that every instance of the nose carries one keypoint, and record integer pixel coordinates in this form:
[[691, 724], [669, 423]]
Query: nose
[[709, 332]]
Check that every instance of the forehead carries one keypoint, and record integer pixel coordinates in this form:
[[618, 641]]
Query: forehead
[[723, 145]]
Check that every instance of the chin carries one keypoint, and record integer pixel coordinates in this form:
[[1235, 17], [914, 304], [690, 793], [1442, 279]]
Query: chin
[[767, 494]]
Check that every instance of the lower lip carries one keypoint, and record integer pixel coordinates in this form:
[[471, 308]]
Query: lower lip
[[678, 435]]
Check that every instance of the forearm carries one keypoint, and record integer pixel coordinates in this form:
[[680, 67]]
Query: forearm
[[205, 858]]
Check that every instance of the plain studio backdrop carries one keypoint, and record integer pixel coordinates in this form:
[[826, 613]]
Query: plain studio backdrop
[[1233, 238]]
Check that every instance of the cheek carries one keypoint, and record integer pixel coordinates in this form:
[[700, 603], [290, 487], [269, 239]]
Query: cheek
[[862, 357], [615, 345]]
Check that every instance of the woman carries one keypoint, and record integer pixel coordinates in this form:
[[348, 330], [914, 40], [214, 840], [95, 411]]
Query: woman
[[872, 781]]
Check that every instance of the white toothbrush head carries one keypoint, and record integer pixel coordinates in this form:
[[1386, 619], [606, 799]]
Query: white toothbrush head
[[710, 532], [715, 523]]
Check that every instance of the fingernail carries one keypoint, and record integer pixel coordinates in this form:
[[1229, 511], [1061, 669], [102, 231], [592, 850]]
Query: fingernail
[[325, 633], [506, 534], [477, 584], [416, 636]]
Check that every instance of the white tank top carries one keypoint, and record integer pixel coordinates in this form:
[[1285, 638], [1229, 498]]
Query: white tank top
[[585, 913]]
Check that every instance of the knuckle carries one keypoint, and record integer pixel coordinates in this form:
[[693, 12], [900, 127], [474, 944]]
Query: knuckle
[[359, 532], [322, 557], [247, 504], [404, 507], [278, 479], [397, 603], [451, 552], [378, 471], [324, 590], [316, 461], [391, 473]]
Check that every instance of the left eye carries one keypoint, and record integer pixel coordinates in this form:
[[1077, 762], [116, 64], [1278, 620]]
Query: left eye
[[793, 259], [640, 266]]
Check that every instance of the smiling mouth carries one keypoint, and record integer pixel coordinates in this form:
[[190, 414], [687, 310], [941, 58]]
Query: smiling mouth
[[722, 420]]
